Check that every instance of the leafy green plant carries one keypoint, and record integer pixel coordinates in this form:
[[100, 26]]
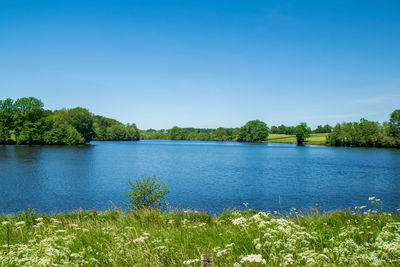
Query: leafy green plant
[[147, 193]]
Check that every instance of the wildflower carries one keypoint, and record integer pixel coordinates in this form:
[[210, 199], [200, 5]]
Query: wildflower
[[188, 262], [5, 223], [239, 221], [371, 198], [236, 264], [229, 245], [140, 239], [222, 252], [39, 219], [216, 249], [59, 231], [253, 258], [289, 259], [20, 223], [258, 246]]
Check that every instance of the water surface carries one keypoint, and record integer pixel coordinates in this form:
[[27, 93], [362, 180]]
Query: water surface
[[208, 176]]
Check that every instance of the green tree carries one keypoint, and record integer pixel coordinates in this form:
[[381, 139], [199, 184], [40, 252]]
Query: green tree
[[132, 132], [220, 134], [302, 133], [29, 120], [176, 133], [61, 132], [147, 193], [253, 131], [6, 120], [395, 123], [82, 120]]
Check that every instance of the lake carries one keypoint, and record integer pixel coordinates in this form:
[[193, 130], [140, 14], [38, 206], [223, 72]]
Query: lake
[[206, 176]]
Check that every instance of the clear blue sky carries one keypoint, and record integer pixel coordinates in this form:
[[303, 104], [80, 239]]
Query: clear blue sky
[[205, 63]]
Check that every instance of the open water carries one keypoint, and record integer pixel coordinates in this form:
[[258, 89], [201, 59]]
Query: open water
[[206, 176]]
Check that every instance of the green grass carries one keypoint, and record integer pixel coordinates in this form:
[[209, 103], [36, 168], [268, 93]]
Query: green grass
[[315, 139], [246, 238]]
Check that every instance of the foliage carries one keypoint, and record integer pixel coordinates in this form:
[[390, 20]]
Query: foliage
[[323, 129], [282, 129], [147, 193], [193, 134], [61, 132], [363, 134], [29, 120], [302, 133], [107, 129], [253, 131], [82, 120], [6, 120], [394, 125], [25, 121], [235, 238]]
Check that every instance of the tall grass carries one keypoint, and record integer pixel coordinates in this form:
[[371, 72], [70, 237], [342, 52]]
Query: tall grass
[[235, 238]]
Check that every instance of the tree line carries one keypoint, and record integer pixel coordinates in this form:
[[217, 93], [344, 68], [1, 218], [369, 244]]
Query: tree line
[[25, 121], [367, 133], [252, 131]]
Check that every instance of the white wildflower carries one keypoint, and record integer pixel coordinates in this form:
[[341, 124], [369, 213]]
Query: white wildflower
[[20, 223], [253, 258], [188, 262], [239, 221], [222, 252]]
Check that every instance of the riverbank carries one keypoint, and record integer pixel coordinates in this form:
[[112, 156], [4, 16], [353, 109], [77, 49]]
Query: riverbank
[[245, 238], [314, 139]]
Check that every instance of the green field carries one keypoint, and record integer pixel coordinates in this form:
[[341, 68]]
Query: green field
[[245, 238], [315, 139]]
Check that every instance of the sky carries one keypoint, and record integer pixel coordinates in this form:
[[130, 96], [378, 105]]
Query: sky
[[205, 63]]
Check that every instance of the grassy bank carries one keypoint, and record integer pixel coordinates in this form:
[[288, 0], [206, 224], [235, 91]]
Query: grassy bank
[[314, 139], [247, 238]]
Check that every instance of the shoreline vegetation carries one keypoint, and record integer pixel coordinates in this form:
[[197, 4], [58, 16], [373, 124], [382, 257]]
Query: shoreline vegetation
[[149, 237], [25, 121]]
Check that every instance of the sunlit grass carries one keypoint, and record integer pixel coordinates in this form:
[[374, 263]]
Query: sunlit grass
[[234, 238], [314, 139]]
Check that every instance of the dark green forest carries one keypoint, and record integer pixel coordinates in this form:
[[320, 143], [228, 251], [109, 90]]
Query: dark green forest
[[25, 121], [367, 133]]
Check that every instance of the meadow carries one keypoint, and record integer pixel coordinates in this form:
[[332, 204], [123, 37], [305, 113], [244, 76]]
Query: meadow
[[178, 238], [314, 139]]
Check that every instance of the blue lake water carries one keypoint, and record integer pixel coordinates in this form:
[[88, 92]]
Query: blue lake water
[[208, 176]]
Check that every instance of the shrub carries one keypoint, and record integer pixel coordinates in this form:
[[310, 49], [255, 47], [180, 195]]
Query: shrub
[[147, 193]]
